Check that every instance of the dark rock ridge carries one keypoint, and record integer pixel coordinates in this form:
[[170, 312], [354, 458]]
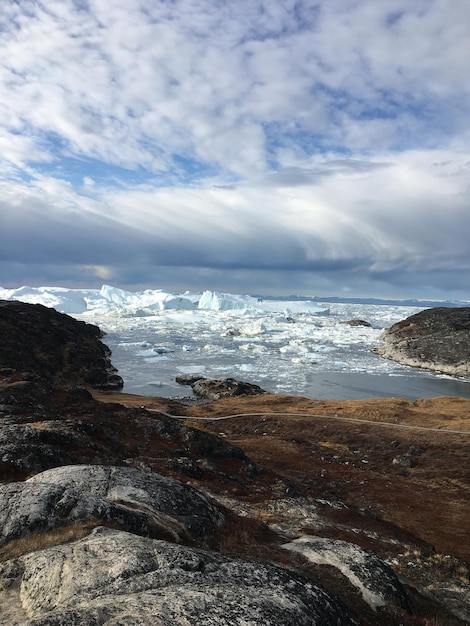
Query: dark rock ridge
[[44, 343], [45, 427], [210, 389], [435, 339]]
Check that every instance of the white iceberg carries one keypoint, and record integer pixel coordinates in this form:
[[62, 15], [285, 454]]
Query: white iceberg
[[215, 301], [59, 298], [115, 301]]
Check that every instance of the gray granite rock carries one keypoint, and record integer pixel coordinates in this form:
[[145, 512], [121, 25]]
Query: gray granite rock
[[141, 502], [209, 389], [116, 578], [455, 596], [357, 322], [376, 581]]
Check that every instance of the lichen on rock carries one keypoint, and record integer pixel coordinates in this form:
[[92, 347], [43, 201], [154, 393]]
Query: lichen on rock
[[120, 578], [376, 581], [140, 502]]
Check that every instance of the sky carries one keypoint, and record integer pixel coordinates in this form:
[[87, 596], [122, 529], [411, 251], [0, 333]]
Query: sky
[[257, 146]]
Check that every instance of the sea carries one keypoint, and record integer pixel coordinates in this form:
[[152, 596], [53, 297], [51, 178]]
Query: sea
[[294, 345]]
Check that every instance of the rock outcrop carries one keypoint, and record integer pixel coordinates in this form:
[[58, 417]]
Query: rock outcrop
[[357, 322], [40, 342], [209, 389], [435, 339], [375, 580], [45, 427], [113, 577], [144, 503]]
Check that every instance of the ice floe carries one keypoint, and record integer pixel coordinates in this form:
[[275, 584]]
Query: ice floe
[[283, 345]]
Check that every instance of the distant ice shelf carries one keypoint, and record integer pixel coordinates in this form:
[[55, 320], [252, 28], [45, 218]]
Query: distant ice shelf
[[114, 301]]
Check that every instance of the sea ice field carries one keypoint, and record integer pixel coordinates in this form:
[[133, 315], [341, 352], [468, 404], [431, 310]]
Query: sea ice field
[[289, 346]]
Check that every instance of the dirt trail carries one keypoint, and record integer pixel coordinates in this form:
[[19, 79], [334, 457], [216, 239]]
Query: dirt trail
[[355, 451]]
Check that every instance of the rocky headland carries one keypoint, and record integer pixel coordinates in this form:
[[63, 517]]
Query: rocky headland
[[248, 509], [436, 339], [40, 342]]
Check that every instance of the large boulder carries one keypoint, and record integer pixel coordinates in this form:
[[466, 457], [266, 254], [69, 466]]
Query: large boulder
[[357, 322], [144, 503], [209, 389], [436, 339], [40, 342], [114, 577]]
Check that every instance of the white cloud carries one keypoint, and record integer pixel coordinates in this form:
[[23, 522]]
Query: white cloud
[[307, 135], [137, 82], [364, 217]]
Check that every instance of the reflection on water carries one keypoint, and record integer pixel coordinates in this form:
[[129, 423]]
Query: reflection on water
[[353, 386]]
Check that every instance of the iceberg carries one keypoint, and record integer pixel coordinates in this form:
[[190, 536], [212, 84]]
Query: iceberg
[[60, 298], [107, 300], [111, 300], [214, 301]]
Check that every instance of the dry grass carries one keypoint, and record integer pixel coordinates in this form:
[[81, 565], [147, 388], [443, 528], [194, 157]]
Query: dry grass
[[333, 445], [249, 537], [354, 462], [197, 425], [41, 540], [432, 568]]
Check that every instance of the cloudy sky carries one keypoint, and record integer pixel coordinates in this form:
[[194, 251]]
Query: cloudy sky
[[254, 146]]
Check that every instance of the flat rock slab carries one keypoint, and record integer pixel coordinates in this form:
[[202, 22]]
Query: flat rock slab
[[113, 577]]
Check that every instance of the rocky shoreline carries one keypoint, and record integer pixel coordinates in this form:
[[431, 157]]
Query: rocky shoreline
[[121, 509], [435, 339]]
